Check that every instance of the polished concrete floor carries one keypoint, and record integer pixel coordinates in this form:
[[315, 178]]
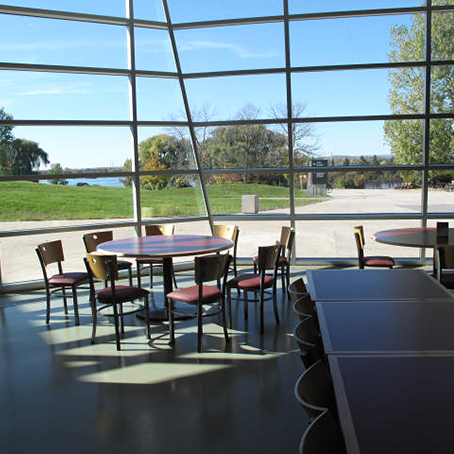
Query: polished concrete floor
[[59, 394]]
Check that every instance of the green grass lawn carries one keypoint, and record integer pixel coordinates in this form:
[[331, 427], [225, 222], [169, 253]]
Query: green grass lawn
[[27, 201]]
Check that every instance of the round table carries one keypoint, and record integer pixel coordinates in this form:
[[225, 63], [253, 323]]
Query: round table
[[165, 247], [424, 237]]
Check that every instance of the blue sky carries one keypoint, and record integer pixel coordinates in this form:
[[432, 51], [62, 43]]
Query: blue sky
[[51, 96]]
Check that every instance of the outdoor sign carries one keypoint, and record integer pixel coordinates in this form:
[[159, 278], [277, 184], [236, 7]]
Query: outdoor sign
[[319, 177]]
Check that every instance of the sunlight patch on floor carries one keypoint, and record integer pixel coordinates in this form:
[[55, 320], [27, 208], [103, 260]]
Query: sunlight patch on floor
[[150, 373]]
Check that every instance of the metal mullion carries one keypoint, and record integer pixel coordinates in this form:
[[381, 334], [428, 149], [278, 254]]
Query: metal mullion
[[135, 165], [427, 109], [62, 15], [288, 79], [188, 112]]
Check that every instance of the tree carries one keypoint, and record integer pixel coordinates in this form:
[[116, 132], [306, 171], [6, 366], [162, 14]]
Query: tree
[[22, 157], [161, 152], [405, 137], [55, 170], [6, 132]]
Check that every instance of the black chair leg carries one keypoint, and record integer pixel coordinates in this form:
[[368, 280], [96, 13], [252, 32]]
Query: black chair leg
[[76, 305], [130, 276], [276, 313], [95, 321], [139, 280], [147, 316], [224, 320], [47, 306], [261, 308], [199, 328], [65, 301], [171, 323], [117, 328]]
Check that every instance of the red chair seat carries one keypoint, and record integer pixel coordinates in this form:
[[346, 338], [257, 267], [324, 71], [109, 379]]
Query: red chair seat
[[67, 278], [123, 293], [379, 261], [190, 295], [253, 282]]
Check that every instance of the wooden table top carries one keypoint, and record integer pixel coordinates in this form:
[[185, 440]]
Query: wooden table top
[[413, 237], [374, 285], [395, 404], [165, 246], [387, 327]]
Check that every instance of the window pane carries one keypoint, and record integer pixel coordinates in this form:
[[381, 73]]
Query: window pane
[[442, 43], [77, 148], [245, 146], [365, 142], [53, 96], [240, 97], [165, 149], [60, 42], [368, 191], [441, 141], [441, 191], [153, 50], [251, 237], [171, 197], [51, 202], [357, 92], [159, 99], [334, 239], [103, 7], [149, 9], [297, 6], [346, 41], [226, 191], [202, 10], [441, 95], [231, 48], [19, 260]]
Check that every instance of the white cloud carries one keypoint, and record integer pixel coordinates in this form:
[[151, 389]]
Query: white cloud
[[240, 51]]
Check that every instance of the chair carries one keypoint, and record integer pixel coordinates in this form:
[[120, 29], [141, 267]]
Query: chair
[[304, 307], [382, 261], [258, 283], [314, 390], [286, 241], [207, 268], [297, 289], [232, 233], [52, 252], [105, 267], [92, 240], [307, 336], [150, 230], [444, 265], [323, 436]]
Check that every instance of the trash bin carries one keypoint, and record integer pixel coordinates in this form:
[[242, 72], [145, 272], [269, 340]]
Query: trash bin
[[249, 204]]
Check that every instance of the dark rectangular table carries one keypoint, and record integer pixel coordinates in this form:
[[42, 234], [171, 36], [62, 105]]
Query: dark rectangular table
[[395, 404], [387, 326], [378, 285]]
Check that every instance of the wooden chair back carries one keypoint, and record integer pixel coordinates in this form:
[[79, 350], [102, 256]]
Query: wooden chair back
[[287, 239], [359, 238], [211, 268], [445, 259], [232, 233], [304, 307], [102, 266], [51, 252], [159, 229], [297, 289], [91, 240], [314, 389], [268, 257]]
